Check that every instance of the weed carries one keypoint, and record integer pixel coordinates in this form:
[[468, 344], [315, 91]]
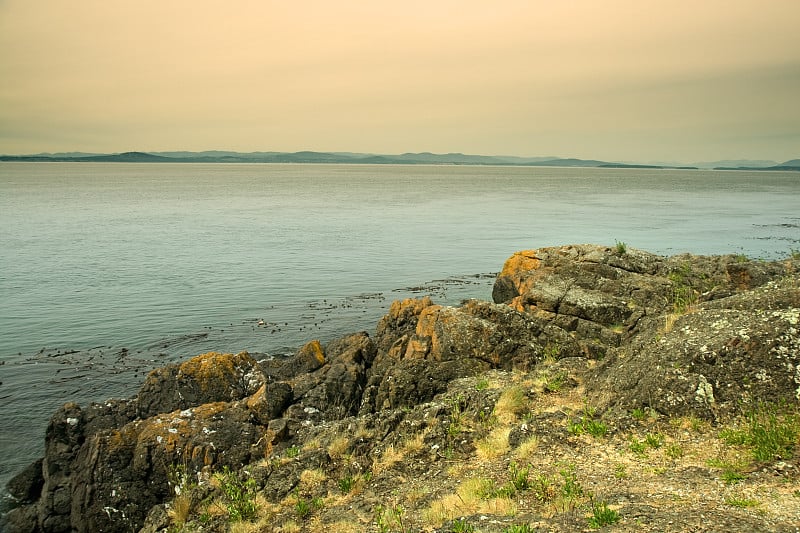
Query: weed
[[551, 351], [482, 384], [302, 508], [554, 383], [620, 248], [346, 484], [674, 451], [731, 476], [572, 488], [518, 528], [587, 424], [769, 435], [511, 404], [741, 258], [741, 502], [639, 447], [602, 515], [462, 526], [389, 519], [794, 253], [654, 440], [620, 471], [292, 452], [519, 477], [543, 488], [639, 413], [240, 495]]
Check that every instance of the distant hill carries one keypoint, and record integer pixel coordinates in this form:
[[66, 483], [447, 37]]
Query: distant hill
[[422, 158], [736, 163], [792, 165]]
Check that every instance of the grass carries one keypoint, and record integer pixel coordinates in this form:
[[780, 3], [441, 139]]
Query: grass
[[519, 528], [602, 515], [240, 495], [461, 526], [769, 434], [512, 403], [741, 502], [588, 424], [620, 248]]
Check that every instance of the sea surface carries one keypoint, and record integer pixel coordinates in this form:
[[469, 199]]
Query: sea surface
[[110, 270]]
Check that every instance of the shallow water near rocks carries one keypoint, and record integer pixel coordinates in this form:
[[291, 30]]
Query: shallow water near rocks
[[110, 270]]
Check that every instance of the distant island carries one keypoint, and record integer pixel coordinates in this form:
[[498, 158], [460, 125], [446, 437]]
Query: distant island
[[422, 158]]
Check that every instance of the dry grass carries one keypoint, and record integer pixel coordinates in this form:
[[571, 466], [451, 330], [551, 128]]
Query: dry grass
[[390, 457], [179, 509], [289, 527], [338, 447], [312, 479], [494, 445], [527, 448], [475, 495], [512, 403], [669, 321], [343, 526]]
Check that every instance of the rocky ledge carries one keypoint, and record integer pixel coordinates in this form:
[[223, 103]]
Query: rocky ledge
[[602, 385]]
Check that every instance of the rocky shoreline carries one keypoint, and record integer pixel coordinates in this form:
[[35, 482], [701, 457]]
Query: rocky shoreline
[[585, 351]]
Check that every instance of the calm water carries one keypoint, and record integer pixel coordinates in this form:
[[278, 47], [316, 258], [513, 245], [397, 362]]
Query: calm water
[[108, 270]]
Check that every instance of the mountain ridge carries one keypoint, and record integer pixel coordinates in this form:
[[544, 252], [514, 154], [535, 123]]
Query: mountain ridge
[[408, 158]]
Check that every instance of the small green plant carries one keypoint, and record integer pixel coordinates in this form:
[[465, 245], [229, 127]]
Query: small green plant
[[741, 502], [741, 258], [543, 488], [730, 476], [462, 526], [346, 484], [769, 435], [519, 477], [620, 471], [239, 494], [638, 413], [555, 382], [794, 253], [518, 528], [572, 488], [302, 508], [551, 351], [654, 440], [389, 519], [292, 452], [673, 451], [620, 248], [587, 424], [602, 515], [482, 384], [639, 447]]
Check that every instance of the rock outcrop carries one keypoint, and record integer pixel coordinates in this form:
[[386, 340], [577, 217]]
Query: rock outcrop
[[682, 335]]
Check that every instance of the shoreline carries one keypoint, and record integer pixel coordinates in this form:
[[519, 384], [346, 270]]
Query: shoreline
[[596, 324]]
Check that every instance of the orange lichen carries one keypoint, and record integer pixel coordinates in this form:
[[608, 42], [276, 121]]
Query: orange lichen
[[315, 349], [520, 262], [213, 367]]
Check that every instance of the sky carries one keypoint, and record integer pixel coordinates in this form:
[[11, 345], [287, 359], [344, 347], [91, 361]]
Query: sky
[[621, 80]]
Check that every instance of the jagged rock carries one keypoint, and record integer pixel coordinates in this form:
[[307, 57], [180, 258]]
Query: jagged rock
[[207, 378], [335, 389], [717, 360], [26, 486], [120, 474], [308, 358], [704, 336], [270, 401]]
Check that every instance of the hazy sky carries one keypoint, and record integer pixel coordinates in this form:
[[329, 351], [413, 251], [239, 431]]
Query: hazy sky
[[644, 80]]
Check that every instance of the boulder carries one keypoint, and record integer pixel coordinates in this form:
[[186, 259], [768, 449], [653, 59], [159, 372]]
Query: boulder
[[722, 358], [207, 378], [336, 388]]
